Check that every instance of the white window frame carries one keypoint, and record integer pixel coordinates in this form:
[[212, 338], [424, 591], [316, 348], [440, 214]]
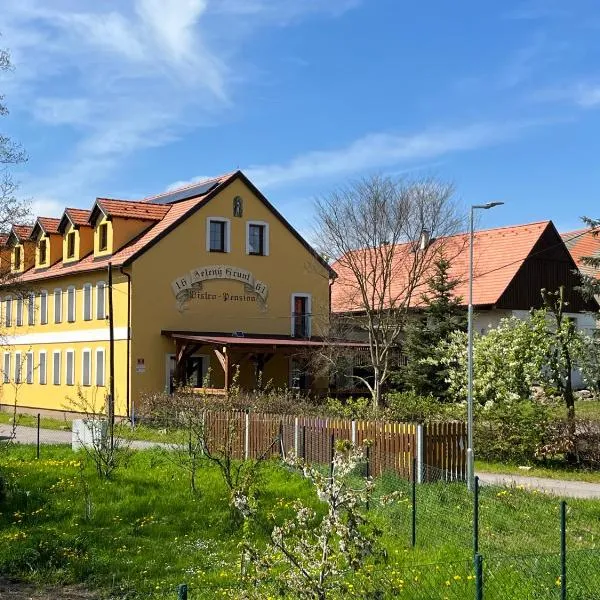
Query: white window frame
[[20, 303], [100, 351], [18, 366], [29, 367], [44, 307], [43, 372], [6, 366], [86, 352], [227, 222], [8, 303], [56, 379], [31, 309], [100, 285], [265, 240], [58, 293], [88, 302], [308, 310], [70, 377], [71, 304]]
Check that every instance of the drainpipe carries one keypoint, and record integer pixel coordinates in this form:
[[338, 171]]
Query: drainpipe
[[129, 408]]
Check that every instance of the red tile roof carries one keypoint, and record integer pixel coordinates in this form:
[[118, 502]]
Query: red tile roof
[[582, 243], [22, 232], [79, 217], [174, 213], [3, 239], [49, 224], [498, 255], [132, 209]]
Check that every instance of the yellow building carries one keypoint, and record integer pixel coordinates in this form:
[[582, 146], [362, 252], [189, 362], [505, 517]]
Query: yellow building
[[206, 280]]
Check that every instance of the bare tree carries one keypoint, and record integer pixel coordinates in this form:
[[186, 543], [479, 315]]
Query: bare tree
[[379, 231]]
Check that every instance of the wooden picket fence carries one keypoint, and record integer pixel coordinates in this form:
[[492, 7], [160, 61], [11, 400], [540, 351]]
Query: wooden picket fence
[[439, 448]]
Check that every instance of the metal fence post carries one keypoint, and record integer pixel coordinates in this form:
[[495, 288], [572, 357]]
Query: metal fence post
[[563, 550], [414, 503], [478, 577], [247, 436], [281, 444], [37, 450], [332, 456], [476, 516], [420, 452], [182, 592], [304, 442], [353, 432]]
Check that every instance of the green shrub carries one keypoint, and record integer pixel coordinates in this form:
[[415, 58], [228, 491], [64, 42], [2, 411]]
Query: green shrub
[[511, 431], [408, 406]]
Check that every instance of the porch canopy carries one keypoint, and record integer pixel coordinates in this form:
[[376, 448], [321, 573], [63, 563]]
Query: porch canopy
[[232, 349]]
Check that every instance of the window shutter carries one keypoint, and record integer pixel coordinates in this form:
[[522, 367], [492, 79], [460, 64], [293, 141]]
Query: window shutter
[[87, 364], [100, 367], [101, 296], [29, 367], [87, 302], [43, 368], [19, 310], [44, 308], [71, 305], [31, 310], [17, 367], [57, 306], [6, 367], [70, 368], [8, 312], [56, 368]]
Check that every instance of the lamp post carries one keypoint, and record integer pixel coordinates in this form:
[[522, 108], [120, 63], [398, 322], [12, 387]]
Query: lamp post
[[470, 454]]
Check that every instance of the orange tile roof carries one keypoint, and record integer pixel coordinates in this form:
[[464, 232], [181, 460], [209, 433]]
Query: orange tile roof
[[3, 238], [582, 243], [132, 209], [174, 213], [49, 224], [498, 255], [22, 232]]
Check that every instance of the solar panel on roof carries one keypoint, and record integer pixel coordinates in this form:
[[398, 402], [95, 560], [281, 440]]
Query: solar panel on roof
[[189, 192]]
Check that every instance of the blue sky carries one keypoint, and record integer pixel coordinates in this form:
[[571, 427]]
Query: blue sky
[[125, 99]]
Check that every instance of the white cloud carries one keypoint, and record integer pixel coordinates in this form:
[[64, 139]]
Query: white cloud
[[47, 207], [584, 94], [127, 75], [384, 150]]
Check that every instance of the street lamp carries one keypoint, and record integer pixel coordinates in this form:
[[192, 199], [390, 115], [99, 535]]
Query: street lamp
[[470, 455]]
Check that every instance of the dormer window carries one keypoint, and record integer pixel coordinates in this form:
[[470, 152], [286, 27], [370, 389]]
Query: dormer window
[[71, 244], [43, 249], [17, 258], [103, 237]]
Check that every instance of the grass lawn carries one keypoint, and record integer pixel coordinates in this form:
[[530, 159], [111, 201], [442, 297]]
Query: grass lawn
[[144, 532]]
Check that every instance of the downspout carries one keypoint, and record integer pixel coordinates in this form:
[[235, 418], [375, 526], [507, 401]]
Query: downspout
[[129, 411]]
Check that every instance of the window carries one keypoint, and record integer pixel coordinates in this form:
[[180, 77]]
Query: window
[[217, 235], [56, 367], [31, 309], [17, 367], [6, 368], [257, 238], [42, 251], [17, 261], [8, 302], [29, 368], [87, 302], [58, 306], [70, 368], [43, 307], [100, 367], [71, 304], [301, 325], [19, 310], [103, 237], [100, 300], [71, 244], [299, 379], [43, 368], [86, 367]]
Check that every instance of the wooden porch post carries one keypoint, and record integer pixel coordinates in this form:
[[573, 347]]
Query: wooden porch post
[[223, 358]]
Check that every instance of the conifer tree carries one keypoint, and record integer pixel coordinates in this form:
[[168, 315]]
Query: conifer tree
[[443, 313]]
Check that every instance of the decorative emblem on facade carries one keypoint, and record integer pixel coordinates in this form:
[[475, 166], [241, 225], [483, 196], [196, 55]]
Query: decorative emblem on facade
[[189, 286], [238, 206]]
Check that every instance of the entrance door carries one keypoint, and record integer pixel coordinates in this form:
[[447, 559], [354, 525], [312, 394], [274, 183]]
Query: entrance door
[[195, 370]]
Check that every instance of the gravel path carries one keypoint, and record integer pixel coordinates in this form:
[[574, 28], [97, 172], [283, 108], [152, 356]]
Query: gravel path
[[21, 591], [556, 487]]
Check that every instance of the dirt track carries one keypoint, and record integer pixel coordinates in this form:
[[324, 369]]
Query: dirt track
[[21, 591]]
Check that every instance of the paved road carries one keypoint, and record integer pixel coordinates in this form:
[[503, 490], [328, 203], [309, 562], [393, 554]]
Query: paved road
[[28, 435], [556, 487]]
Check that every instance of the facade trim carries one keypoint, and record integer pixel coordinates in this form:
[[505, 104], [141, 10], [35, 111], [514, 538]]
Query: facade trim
[[66, 337]]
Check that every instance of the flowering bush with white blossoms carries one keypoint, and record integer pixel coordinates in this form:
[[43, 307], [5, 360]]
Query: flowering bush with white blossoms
[[310, 554]]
